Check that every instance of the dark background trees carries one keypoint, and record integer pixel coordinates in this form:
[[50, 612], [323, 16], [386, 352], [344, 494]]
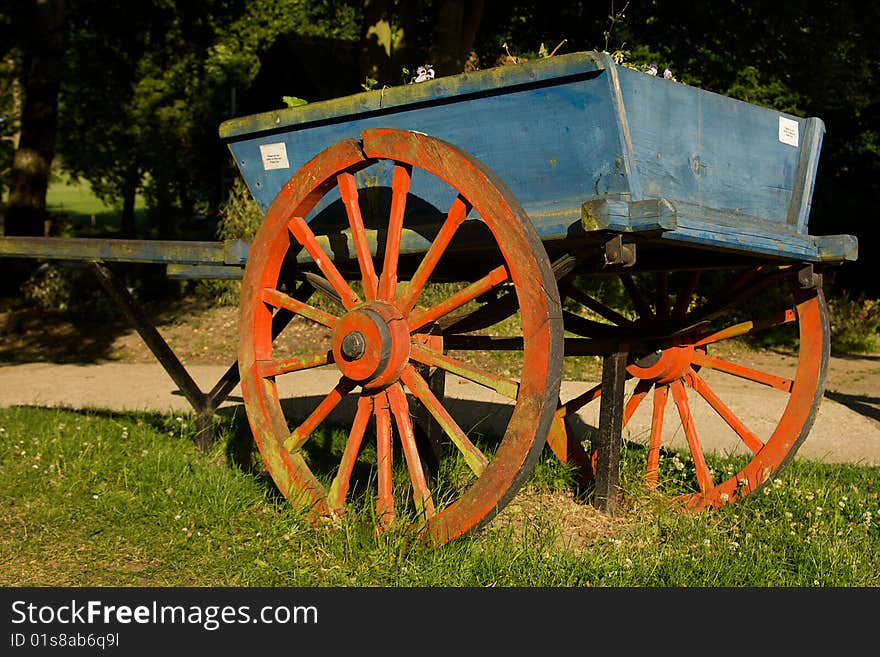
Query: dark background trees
[[140, 86]]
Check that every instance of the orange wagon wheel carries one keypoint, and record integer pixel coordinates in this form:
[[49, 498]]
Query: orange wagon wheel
[[681, 386], [383, 340]]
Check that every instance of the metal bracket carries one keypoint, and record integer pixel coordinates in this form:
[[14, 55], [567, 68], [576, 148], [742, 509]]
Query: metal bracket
[[808, 278], [618, 253]]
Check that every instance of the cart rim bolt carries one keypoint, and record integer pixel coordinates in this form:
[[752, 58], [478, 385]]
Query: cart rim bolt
[[354, 345]]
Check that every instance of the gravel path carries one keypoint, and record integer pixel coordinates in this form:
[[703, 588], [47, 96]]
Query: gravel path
[[847, 428]]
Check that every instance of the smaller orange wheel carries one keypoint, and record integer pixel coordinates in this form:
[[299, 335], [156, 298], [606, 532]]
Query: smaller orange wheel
[[682, 378]]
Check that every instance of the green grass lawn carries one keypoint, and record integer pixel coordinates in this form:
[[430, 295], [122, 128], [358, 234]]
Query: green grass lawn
[[108, 499], [84, 213]]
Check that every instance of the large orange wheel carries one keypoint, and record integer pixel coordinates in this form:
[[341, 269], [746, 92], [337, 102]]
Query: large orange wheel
[[383, 344], [680, 381]]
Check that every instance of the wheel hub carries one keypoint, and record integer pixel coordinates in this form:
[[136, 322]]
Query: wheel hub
[[371, 344], [664, 365]]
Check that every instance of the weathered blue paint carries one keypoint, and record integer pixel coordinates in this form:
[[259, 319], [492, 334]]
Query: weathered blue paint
[[218, 272], [180, 252], [581, 142]]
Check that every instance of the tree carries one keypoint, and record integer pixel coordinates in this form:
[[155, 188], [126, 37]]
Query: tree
[[397, 37], [153, 81], [39, 28]]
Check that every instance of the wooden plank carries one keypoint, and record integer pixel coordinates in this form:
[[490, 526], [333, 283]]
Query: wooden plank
[[231, 252]]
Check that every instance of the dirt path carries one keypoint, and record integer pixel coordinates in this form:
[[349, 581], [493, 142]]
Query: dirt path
[[82, 366]]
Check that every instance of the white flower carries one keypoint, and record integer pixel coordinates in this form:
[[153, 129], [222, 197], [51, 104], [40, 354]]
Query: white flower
[[667, 74], [424, 73], [652, 69]]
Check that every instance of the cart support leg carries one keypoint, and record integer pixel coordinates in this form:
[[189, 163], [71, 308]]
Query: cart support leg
[[610, 428], [202, 404]]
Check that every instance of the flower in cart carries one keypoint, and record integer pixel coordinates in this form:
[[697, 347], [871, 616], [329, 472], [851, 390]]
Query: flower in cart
[[424, 73], [667, 74], [652, 69]]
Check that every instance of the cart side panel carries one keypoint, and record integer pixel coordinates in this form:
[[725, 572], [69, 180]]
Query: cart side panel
[[708, 150], [554, 144]]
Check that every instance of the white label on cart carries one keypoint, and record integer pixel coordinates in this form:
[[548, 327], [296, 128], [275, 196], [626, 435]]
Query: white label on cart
[[788, 131], [275, 155]]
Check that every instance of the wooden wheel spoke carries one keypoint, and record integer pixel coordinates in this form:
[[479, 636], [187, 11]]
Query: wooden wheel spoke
[[658, 412], [490, 313], [385, 491], [278, 299], [704, 477], [574, 405], [684, 298], [505, 387], [662, 294], [743, 328], [421, 494], [349, 193], [748, 437], [474, 458], [596, 306], [746, 286], [400, 183], [639, 393], [642, 307], [478, 288], [299, 436], [711, 362], [269, 368], [339, 486], [407, 297], [306, 238]]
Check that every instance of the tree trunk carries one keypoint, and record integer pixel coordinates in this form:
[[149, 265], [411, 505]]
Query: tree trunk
[[455, 29], [129, 196], [387, 39], [42, 26]]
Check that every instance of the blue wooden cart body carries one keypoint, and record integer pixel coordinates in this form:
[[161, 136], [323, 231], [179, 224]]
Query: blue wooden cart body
[[587, 147]]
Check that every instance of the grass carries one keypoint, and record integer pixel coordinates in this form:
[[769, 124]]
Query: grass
[[94, 498], [82, 212]]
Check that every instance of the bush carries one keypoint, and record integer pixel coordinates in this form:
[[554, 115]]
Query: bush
[[855, 324], [240, 218], [68, 289]]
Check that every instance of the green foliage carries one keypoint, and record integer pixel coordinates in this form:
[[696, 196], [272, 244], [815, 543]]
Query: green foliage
[[756, 87], [150, 83], [67, 289], [855, 324], [293, 101], [240, 218], [9, 120]]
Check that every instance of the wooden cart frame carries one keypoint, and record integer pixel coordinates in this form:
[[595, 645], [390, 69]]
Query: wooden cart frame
[[519, 190]]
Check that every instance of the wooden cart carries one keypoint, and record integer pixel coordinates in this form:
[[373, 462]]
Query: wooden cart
[[492, 227]]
